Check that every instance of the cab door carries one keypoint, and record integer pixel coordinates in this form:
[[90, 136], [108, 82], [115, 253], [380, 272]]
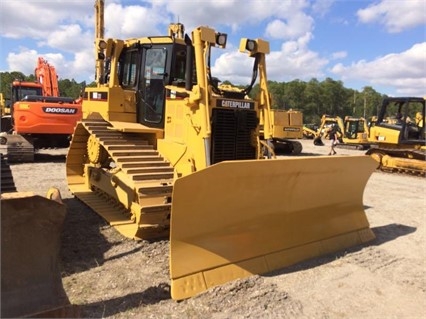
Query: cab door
[[151, 91]]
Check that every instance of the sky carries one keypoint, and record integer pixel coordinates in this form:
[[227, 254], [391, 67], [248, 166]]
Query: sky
[[379, 43]]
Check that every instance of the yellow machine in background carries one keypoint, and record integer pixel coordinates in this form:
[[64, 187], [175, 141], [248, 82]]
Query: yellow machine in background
[[326, 123], [163, 151], [310, 131], [2, 104], [398, 135], [5, 117], [352, 131], [287, 128]]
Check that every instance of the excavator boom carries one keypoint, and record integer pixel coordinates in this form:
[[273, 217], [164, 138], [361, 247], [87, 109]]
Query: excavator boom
[[47, 77]]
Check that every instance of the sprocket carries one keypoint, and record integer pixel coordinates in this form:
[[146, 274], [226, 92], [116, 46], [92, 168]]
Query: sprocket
[[95, 151]]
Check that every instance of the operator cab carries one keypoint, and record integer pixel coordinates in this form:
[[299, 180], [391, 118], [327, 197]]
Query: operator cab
[[406, 115], [19, 91], [147, 69]]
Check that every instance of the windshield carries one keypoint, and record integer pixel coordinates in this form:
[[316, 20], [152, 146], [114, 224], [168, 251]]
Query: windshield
[[22, 91]]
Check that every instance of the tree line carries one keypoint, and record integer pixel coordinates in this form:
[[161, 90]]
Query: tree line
[[314, 98]]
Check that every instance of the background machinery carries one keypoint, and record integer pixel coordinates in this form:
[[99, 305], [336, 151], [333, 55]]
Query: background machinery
[[355, 133], [287, 128], [39, 117], [352, 131], [5, 124], [310, 131], [398, 135], [163, 151]]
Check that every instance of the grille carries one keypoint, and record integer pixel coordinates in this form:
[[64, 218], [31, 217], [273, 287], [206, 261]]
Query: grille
[[232, 134]]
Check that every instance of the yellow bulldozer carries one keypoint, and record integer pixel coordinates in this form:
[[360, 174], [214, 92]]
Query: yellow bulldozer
[[398, 135], [353, 132], [162, 151]]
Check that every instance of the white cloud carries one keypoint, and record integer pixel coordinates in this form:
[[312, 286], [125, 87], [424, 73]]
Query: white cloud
[[396, 16], [406, 71], [322, 7], [232, 13], [69, 38], [295, 26], [38, 18], [339, 55], [57, 27], [133, 21], [24, 61], [293, 61], [82, 67]]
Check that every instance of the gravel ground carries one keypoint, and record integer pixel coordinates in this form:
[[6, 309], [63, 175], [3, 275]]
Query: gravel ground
[[107, 275]]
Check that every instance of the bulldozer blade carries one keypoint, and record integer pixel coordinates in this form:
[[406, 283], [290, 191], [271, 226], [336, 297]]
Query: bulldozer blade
[[31, 283], [239, 218]]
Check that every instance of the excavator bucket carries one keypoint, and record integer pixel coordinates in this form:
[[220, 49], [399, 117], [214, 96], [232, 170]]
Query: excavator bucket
[[239, 218], [31, 283]]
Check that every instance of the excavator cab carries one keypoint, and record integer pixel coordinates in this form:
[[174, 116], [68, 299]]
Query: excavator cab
[[19, 90], [164, 151], [355, 128], [355, 132]]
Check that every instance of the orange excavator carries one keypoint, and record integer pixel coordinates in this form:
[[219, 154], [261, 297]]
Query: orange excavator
[[39, 117]]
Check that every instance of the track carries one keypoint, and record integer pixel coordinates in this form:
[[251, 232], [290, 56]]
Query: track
[[19, 149], [405, 171], [402, 161], [7, 182], [417, 175], [123, 178]]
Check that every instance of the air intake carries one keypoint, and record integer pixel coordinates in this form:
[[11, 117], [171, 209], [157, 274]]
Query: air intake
[[232, 134]]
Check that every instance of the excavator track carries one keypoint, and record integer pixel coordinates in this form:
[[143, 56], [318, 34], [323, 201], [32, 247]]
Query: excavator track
[[7, 182], [19, 149], [122, 178]]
